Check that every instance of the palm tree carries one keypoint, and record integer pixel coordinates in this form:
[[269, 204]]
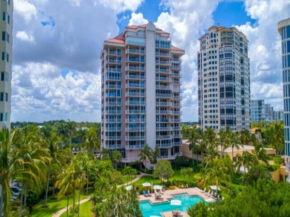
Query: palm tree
[[194, 144], [116, 157], [233, 142], [6, 173], [156, 153], [92, 141], [217, 172], [275, 137], [145, 153], [245, 137], [52, 142], [71, 128], [260, 153]]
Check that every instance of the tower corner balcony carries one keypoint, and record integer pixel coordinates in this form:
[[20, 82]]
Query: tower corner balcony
[[283, 23]]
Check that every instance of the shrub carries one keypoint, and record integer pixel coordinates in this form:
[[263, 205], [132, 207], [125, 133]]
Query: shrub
[[171, 187], [167, 184]]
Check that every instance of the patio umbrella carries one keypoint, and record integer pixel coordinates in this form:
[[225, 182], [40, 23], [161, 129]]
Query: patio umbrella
[[129, 188], [175, 202], [215, 188], [146, 184], [157, 187]]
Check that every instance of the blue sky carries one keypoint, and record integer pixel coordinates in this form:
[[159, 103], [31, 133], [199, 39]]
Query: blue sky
[[57, 46]]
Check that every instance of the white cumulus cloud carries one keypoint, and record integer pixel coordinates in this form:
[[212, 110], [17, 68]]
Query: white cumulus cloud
[[24, 36], [25, 9]]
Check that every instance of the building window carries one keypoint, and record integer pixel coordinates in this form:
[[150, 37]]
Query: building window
[[8, 1], [3, 97], [5, 57], [4, 76], [3, 116], [5, 37], [6, 17]]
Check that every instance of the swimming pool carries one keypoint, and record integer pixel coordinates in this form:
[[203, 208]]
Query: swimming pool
[[187, 201]]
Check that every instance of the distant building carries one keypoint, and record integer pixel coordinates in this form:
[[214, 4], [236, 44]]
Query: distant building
[[141, 73], [278, 115], [257, 110], [223, 80], [6, 27], [269, 113]]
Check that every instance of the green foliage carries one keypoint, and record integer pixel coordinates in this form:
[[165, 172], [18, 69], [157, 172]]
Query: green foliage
[[198, 210], [163, 170], [277, 159]]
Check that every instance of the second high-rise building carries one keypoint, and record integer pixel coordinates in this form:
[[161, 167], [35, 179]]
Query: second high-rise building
[[141, 92], [224, 79]]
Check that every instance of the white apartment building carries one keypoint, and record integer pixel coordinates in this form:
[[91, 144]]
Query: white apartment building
[[224, 79], [141, 73], [6, 25]]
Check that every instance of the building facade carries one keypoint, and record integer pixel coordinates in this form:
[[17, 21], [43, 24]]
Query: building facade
[[269, 113], [284, 30], [6, 26], [279, 116], [257, 110], [141, 73], [224, 79]]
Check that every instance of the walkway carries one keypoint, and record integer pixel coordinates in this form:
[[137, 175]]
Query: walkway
[[60, 212]]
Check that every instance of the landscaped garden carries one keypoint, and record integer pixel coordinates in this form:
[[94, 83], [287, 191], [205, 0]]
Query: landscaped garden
[[42, 162]]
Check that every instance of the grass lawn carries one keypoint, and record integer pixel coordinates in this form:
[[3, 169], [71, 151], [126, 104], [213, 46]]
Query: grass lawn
[[54, 206], [127, 179], [85, 210]]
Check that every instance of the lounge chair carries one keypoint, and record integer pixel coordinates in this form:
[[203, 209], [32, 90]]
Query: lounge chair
[[176, 213], [145, 193], [157, 196], [204, 190]]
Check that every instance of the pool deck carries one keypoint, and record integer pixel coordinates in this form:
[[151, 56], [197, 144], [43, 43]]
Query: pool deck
[[168, 194]]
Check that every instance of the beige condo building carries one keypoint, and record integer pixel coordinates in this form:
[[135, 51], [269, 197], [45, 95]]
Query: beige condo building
[[141, 73]]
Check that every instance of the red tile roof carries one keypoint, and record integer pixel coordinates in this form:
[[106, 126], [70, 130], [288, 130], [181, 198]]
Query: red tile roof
[[176, 49], [114, 40]]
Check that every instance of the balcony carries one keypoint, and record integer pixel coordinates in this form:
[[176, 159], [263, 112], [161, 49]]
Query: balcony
[[175, 60], [135, 103], [162, 62], [135, 112], [113, 61], [163, 120], [175, 74], [164, 137], [108, 103], [113, 86], [162, 54], [162, 70], [176, 89], [163, 104], [112, 96], [177, 128], [164, 112], [167, 145], [135, 129], [176, 97], [132, 147], [135, 77], [138, 120], [176, 105], [163, 128], [176, 113], [176, 67], [137, 94], [133, 85], [134, 138], [108, 69], [177, 136], [114, 53], [163, 95], [113, 146], [113, 78], [176, 82], [113, 129], [112, 137], [135, 60], [117, 121], [163, 79], [113, 112], [163, 87], [134, 51], [135, 68]]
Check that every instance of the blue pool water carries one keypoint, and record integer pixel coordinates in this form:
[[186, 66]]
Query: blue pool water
[[187, 201]]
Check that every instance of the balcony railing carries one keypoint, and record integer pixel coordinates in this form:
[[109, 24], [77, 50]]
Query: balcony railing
[[138, 120], [113, 78], [113, 112], [113, 121], [135, 103], [135, 51], [163, 95], [163, 137], [135, 77], [163, 128], [112, 129], [112, 137], [115, 53], [135, 129], [162, 54], [167, 112], [113, 70], [162, 70], [135, 68], [135, 60], [135, 94], [135, 112], [163, 79], [134, 146], [163, 104], [162, 62], [132, 138], [115, 61], [113, 146], [163, 87], [113, 86], [112, 103], [132, 85]]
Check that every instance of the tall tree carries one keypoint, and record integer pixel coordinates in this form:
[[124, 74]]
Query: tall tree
[[71, 128], [194, 144], [145, 154]]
